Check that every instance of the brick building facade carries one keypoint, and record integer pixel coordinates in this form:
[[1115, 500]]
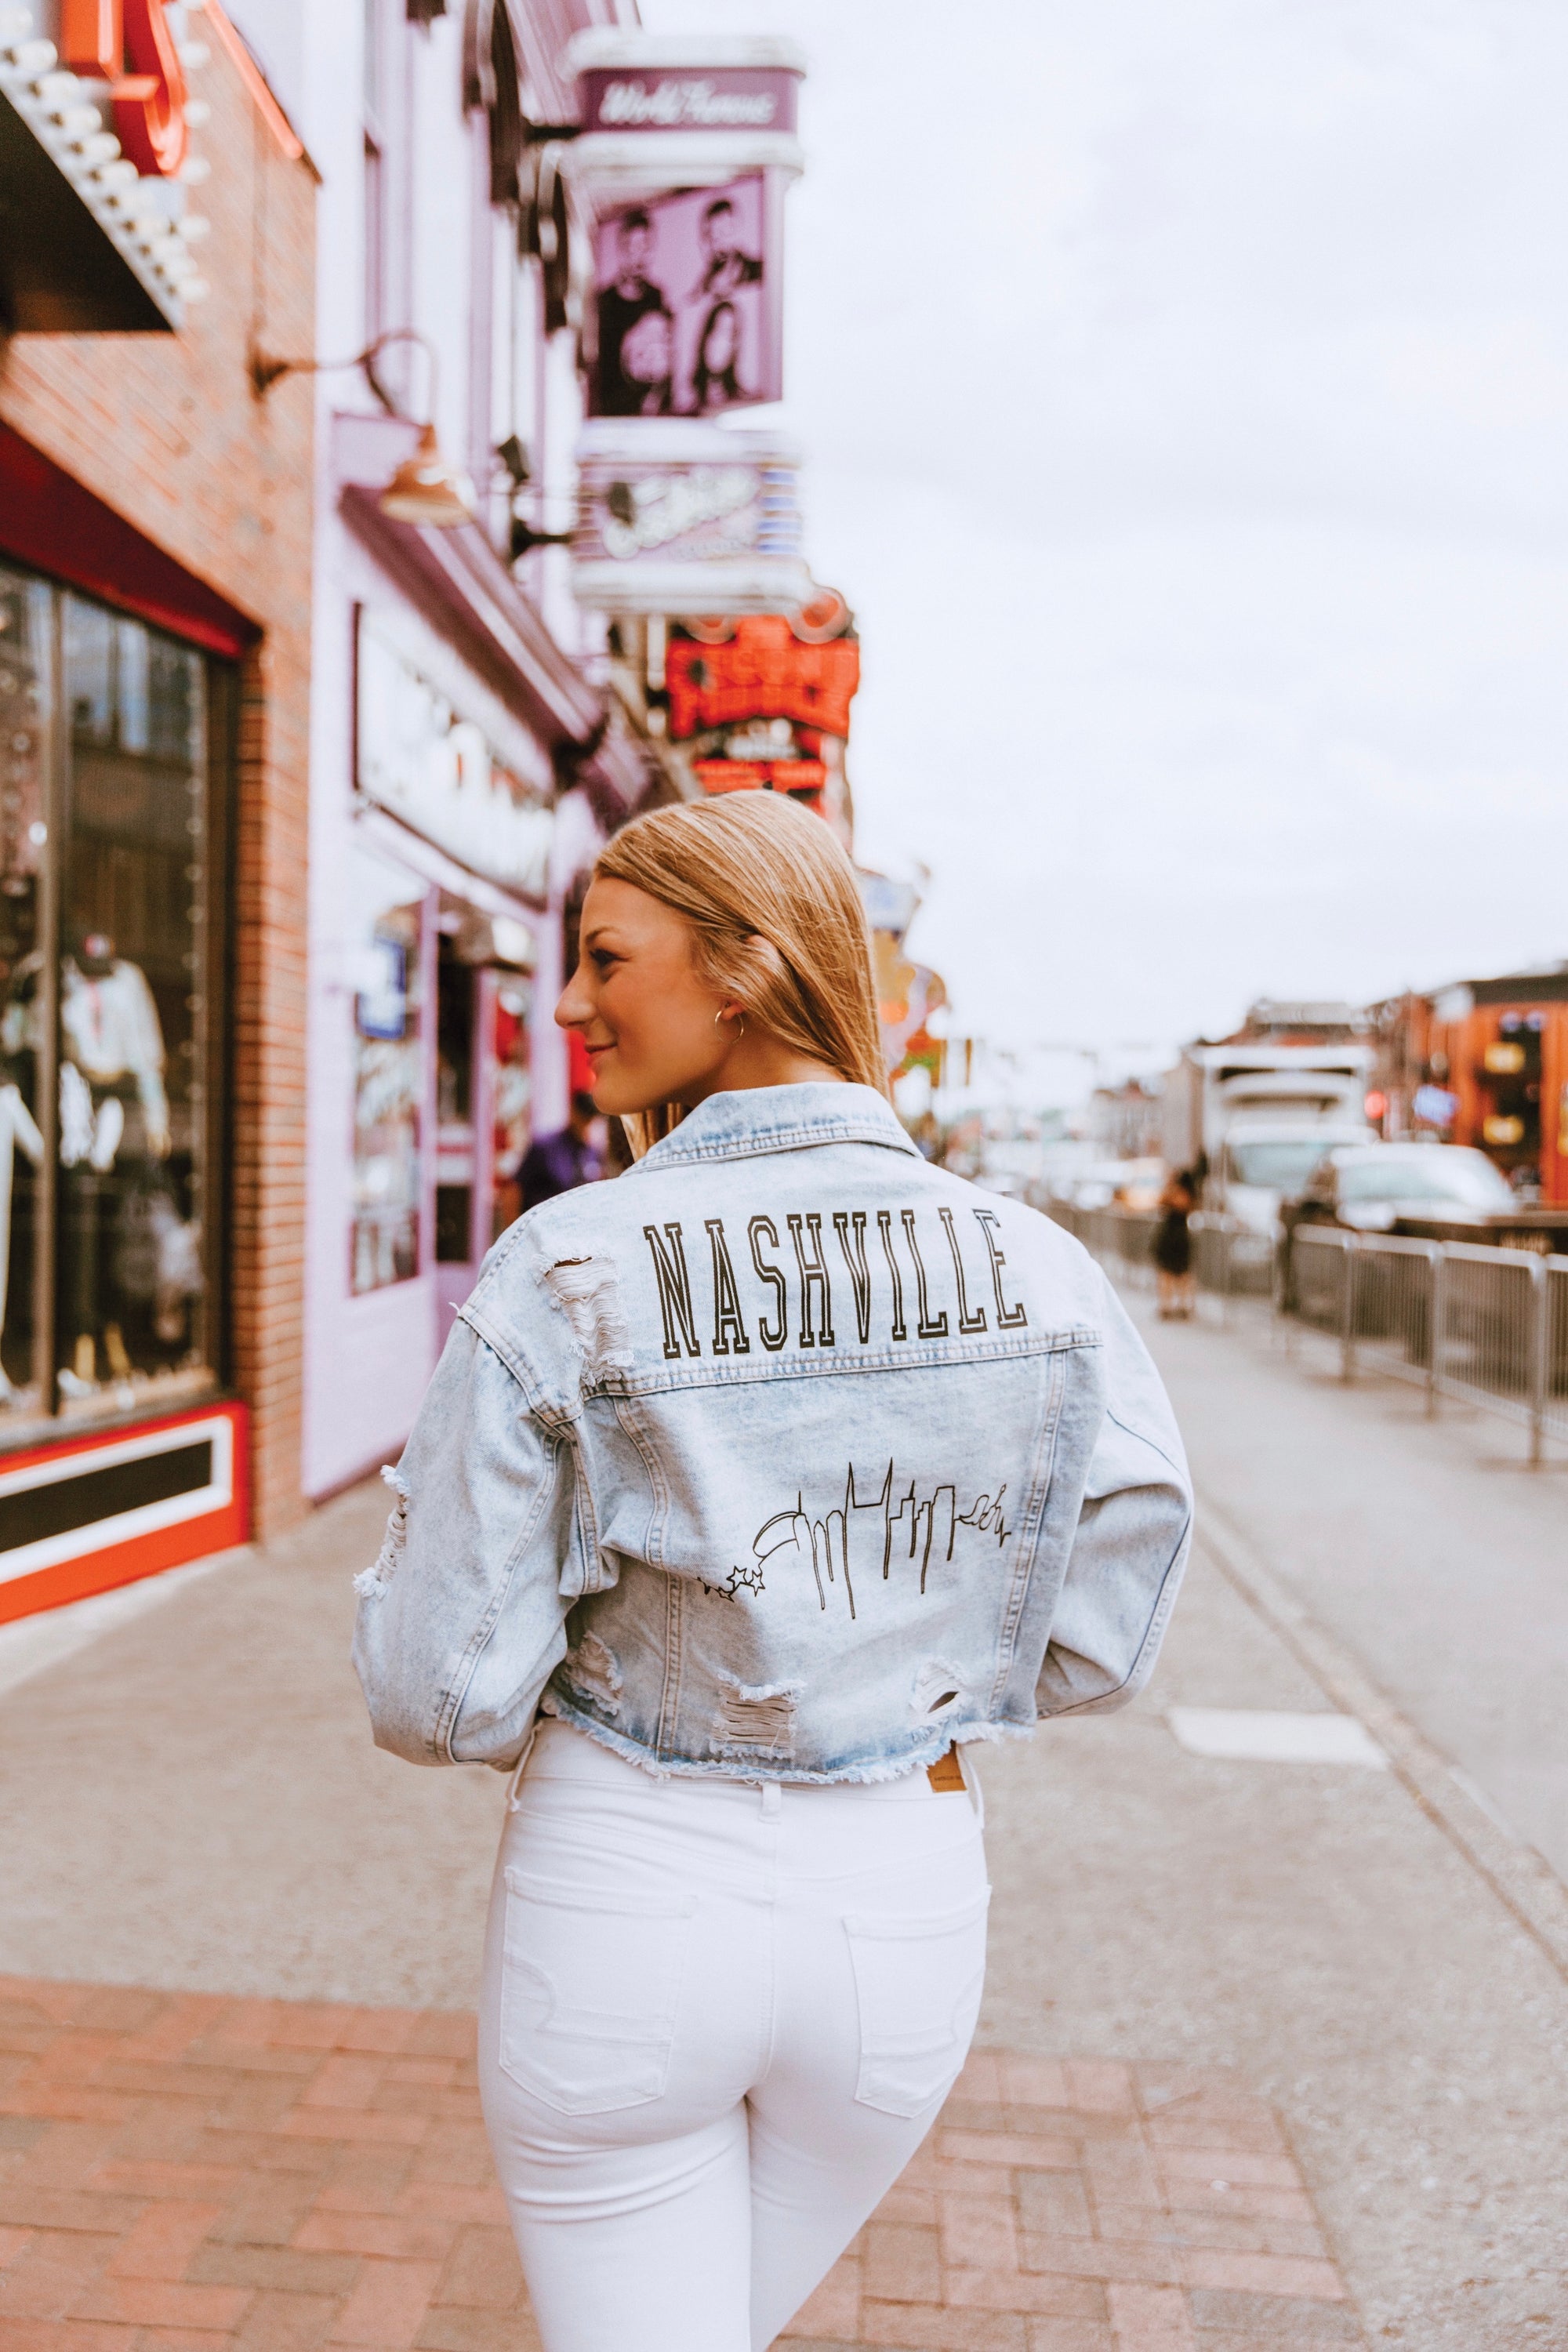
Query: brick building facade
[[147, 490]]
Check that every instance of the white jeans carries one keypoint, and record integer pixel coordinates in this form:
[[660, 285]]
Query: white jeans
[[718, 2020]]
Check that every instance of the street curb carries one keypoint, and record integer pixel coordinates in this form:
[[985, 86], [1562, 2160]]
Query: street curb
[[1522, 1882]]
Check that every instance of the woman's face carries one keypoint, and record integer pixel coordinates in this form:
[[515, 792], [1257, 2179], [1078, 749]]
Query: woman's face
[[652, 1029]]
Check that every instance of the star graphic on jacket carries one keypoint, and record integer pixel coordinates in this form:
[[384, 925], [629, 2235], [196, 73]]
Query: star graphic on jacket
[[739, 1581]]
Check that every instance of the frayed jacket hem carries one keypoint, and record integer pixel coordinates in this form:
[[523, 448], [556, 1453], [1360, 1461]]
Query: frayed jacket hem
[[766, 1768]]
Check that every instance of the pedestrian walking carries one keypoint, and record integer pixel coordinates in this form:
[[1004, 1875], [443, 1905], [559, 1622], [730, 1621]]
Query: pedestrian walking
[[1174, 1280], [560, 1162], [750, 1491]]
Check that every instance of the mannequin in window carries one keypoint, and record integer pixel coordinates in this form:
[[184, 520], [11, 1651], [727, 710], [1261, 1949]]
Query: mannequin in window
[[111, 1060]]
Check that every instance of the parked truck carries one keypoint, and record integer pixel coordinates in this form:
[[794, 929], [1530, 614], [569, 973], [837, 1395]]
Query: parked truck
[[1295, 1065]]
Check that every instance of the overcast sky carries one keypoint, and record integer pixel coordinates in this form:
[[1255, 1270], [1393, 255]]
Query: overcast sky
[[1184, 390]]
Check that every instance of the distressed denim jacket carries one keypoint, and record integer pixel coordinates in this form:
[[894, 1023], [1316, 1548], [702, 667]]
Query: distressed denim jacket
[[786, 1456]]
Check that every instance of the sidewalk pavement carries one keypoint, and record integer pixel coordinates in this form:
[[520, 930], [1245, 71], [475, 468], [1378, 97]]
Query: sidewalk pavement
[[192, 1805], [1429, 1545], [181, 2173]]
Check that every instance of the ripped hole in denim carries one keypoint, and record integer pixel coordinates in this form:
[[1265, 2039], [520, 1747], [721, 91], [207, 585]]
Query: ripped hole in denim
[[757, 1720], [593, 1670], [380, 1573]]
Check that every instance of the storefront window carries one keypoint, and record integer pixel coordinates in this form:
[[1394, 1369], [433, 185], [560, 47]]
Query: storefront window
[[388, 1085], [110, 922], [26, 647], [133, 1006]]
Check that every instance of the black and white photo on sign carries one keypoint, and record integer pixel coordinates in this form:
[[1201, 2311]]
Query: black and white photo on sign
[[684, 327]]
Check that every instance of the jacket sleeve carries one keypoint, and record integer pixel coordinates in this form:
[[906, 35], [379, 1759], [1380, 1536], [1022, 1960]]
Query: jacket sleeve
[[461, 1620], [1131, 1546]]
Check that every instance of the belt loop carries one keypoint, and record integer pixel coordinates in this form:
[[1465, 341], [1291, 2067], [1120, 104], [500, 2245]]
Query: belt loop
[[773, 1798], [971, 1782]]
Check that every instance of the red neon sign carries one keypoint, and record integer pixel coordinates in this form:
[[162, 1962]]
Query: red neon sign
[[760, 775], [763, 672], [128, 45]]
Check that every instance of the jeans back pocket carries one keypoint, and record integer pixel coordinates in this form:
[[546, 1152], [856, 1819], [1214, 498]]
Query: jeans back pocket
[[917, 1982], [589, 1991]]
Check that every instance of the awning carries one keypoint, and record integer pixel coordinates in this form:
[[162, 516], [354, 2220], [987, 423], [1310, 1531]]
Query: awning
[[52, 522], [64, 268]]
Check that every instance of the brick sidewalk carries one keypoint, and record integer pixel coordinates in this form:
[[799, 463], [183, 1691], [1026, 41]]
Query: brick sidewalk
[[181, 2173]]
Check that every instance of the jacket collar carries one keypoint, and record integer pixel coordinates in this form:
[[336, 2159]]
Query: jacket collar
[[759, 1119]]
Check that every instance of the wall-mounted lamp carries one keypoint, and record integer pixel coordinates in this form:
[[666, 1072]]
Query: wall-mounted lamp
[[425, 489], [515, 461], [525, 539]]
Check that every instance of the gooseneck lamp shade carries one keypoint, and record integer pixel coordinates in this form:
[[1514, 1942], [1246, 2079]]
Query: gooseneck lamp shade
[[426, 489]]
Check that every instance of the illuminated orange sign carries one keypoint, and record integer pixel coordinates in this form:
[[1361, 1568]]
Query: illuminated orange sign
[[129, 45], [762, 672], [761, 775]]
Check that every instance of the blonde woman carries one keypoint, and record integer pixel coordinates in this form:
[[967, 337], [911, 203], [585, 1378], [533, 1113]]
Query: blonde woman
[[750, 1491]]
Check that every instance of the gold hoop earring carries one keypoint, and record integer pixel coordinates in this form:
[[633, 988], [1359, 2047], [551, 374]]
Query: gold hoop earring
[[723, 1016]]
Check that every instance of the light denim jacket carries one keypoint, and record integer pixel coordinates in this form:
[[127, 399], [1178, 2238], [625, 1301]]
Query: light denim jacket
[[786, 1456]]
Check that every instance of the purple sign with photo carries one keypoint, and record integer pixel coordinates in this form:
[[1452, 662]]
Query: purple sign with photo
[[687, 302]]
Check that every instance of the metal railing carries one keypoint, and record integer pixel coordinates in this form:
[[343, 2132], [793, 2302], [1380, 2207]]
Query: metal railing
[[1489, 1326], [1120, 1237], [1229, 1259]]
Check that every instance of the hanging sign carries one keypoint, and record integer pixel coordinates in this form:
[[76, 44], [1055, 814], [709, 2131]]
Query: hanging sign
[[685, 518], [677, 94], [684, 154], [762, 704], [762, 672], [730, 775], [713, 98], [686, 303]]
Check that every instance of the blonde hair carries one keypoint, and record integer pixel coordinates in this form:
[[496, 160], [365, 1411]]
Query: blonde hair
[[777, 923]]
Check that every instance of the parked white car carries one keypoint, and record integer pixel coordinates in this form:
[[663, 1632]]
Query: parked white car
[[1133, 1183], [1372, 1189], [1263, 1163]]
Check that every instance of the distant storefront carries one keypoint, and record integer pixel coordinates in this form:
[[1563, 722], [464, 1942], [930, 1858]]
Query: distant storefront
[[1484, 1062]]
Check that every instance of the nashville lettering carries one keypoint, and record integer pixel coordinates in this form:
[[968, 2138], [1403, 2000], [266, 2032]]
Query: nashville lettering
[[839, 1277]]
